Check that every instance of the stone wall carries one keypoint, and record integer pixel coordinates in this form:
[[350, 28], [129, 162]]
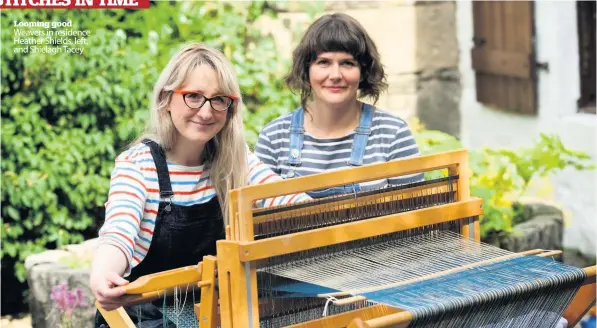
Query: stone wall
[[438, 92], [51, 268], [418, 45], [542, 228]]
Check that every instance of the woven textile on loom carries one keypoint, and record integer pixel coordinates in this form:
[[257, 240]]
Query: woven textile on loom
[[468, 284]]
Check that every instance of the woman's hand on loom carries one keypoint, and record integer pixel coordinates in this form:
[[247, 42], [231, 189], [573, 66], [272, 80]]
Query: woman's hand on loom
[[107, 269], [107, 291]]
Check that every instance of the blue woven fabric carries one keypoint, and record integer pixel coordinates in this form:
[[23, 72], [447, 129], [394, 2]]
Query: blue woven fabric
[[528, 291], [524, 274], [517, 292]]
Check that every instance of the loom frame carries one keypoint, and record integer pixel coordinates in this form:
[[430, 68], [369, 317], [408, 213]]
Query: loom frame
[[242, 199], [237, 255], [150, 287]]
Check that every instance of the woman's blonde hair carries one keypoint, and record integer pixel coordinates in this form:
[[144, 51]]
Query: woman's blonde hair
[[226, 153]]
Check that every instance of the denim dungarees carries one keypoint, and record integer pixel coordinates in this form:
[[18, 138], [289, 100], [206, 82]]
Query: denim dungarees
[[182, 236], [361, 137]]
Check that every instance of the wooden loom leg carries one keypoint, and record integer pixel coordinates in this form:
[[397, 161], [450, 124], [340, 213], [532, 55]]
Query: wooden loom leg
[[233, 233], [580, 305], [209, 299], [583, 300], [238, 288], [116, 318], [471, 227]]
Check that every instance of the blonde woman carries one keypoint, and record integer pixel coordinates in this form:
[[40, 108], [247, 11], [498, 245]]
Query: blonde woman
[[169, 191]]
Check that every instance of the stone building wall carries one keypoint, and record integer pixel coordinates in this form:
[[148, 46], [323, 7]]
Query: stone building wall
[[418, 44], [558, 90]]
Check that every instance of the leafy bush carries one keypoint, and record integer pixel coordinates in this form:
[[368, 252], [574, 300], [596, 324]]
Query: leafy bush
[[501, 176], [65, 117]]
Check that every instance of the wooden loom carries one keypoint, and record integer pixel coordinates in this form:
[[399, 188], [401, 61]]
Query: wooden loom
[[238, 256]]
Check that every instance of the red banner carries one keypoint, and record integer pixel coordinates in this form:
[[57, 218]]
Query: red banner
[[76, 4]]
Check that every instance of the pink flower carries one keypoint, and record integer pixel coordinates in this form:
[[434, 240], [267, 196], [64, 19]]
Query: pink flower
[[81, 298], [67, 300]]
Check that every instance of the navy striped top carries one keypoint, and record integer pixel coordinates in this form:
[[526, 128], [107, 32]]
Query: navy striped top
[[390, 139]]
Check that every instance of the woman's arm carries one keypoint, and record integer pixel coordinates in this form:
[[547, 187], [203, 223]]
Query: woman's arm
[[124, 211], [260, 173], [108, 266]]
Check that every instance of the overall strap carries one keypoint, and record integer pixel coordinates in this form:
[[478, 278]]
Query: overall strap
[[297, 135], [362, 136], [159, 158]]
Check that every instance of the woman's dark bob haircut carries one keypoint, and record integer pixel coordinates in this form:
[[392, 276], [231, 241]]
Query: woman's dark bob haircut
[[337, 33]]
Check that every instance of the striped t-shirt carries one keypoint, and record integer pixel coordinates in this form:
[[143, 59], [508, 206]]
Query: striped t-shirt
[[390, 139], [133, 199]]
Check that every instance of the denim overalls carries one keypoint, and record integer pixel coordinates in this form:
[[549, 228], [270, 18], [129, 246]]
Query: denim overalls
[[181, 237], [297, 136]]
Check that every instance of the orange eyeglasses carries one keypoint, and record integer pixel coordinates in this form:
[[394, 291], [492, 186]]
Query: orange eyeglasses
[[195, 100]]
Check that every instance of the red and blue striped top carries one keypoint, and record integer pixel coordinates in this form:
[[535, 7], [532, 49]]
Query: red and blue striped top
[[133, 199]]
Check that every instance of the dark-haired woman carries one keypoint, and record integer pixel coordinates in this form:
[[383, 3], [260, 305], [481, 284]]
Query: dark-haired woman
[[335, 64]]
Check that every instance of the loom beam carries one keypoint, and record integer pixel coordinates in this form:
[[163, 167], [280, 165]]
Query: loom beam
[[262, 249]]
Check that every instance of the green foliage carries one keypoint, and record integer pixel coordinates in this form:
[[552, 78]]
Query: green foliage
[[66, 117], [76, 261], [431, 142], [501, 176]]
